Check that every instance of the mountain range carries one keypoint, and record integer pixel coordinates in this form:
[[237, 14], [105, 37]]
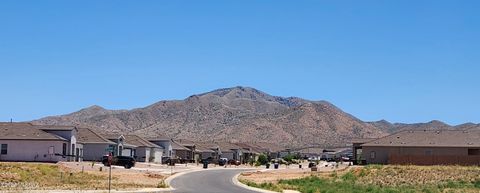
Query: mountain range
[[241, 114]]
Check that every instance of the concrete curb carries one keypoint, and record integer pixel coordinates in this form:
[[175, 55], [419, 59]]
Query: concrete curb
[[238, 183], [146, 190]]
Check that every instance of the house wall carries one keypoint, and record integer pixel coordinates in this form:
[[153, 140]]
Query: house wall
[[183, 154], [167, 147], [143, 154], [94, 152], [206, 155], [157, 153], [33, 150], [382, 153], [75, 155], [228, 155], [127, 152]]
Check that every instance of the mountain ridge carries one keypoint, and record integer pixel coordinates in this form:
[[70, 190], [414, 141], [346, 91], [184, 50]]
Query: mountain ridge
[[239, 114]]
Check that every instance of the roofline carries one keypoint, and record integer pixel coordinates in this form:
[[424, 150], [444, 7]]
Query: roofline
[[34, 139], [110, 143], [441, 146]]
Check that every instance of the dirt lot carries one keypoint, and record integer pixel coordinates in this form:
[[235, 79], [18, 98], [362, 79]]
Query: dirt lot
[[293, 172], [76, 176], [123, 177]]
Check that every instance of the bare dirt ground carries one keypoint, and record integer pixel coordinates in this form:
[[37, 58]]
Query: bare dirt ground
[[292, 172], [141, 178], [146, 175]]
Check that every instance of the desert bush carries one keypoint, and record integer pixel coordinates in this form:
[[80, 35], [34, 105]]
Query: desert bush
[[262, 159]]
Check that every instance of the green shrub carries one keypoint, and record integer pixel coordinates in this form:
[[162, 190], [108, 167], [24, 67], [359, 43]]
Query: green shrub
[[262, 159], [289, 158]]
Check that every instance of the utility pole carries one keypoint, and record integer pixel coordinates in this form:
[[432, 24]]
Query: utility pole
[[110, 179], [110, 158]]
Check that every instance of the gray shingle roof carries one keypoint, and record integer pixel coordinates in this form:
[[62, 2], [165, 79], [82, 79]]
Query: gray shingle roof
[[429, 138], [25, 131], [86, 135], [177, 146], [55, 127], [139, 142]]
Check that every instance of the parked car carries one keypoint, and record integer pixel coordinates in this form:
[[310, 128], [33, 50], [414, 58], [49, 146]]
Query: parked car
[[328, 157], [209, 160], [125, 161], [171, 161], [234, 162], [222, 161]]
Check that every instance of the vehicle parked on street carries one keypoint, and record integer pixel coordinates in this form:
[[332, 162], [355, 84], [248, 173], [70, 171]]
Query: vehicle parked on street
[[234, 162], [125, 161], [222, 161]]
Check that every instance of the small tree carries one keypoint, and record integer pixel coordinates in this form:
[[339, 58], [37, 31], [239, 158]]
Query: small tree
[[262, 159], [289, 158]]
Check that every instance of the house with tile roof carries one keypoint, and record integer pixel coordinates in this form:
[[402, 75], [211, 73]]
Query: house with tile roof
[[425, 147]]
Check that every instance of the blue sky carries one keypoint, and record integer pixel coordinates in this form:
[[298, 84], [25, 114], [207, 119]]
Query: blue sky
[[403, 61]]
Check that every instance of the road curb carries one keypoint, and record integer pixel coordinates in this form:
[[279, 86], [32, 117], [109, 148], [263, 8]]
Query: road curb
[[238, 183], [146, 190]]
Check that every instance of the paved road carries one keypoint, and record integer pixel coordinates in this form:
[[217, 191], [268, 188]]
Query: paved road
[[208, 181]]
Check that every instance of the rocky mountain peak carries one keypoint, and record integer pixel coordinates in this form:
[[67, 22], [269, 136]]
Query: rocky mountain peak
[[241, 114]]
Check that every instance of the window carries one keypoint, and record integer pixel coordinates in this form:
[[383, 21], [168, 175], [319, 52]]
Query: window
[[64, 149], [372, 155], [4, 149]]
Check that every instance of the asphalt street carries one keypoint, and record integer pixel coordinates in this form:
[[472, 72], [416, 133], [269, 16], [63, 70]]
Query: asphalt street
[[208, 181]]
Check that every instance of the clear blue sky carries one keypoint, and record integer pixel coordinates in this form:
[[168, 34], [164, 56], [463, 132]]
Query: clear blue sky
[[403, 61]]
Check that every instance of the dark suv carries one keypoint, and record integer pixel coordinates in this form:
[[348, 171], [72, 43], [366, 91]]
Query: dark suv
[[125, 161]]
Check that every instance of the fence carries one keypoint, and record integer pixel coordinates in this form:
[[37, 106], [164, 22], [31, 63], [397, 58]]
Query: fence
[[434, 160]]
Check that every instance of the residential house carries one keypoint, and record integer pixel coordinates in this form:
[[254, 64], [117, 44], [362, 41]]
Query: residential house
[[191, 155], [250, 152], [121, 147], [208, 150], [70, 134], [230, 151], [164, 142], [425, 147], [181, 152], [311, 152], [95, 146], [27, 142], [145, 151], [357, 143], [271, 150]]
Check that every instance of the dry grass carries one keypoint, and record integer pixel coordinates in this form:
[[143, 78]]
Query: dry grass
[[415, 175], [381, 179], [43, 176]]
